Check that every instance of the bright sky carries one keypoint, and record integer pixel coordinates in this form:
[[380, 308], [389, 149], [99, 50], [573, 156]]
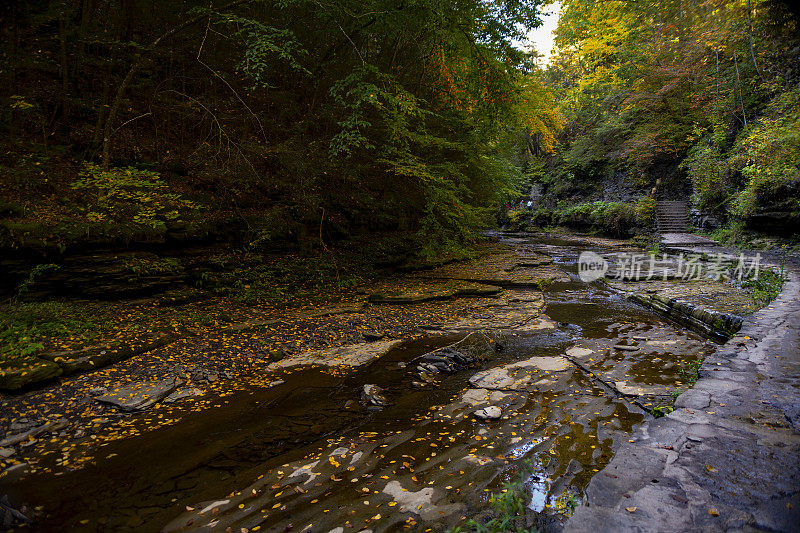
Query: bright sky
[[542, 37]]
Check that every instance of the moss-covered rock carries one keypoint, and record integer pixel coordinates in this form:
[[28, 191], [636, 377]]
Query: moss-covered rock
[[36, 371]]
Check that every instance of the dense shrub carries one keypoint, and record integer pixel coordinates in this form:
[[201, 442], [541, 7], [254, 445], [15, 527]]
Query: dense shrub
[[617, 219]]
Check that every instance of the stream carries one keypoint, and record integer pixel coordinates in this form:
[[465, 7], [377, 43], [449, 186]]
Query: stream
[[306, 455]]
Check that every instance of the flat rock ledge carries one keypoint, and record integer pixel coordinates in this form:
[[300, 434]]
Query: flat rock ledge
[[67, 362], [721, 326], [141, 395], [350, 355], [436, 291], [728, 457]]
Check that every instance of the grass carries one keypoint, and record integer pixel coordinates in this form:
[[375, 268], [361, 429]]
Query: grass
[[509, 509], [765, 288], [28, 328], [689, 374]]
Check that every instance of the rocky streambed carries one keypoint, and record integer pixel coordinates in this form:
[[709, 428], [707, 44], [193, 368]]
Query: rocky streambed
[[535, 382]]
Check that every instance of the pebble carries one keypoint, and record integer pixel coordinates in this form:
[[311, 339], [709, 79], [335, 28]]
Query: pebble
[[489, 413], [626, 348]]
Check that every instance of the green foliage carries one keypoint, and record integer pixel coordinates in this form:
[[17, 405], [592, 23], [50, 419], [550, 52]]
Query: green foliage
[[565, 503], [128, 194], [367, 92], [10, 209], [19, 102], [765, 287], [253, 279], [644, 211], [733, 234], [641, 96], [146, 266], [345, 117], [35, 273], [690, 373], [765, 158], [661, 411], [263, 45], [768, 156], [614, 218], [275, 224], [509, 508], [25, 327], [708, 170]]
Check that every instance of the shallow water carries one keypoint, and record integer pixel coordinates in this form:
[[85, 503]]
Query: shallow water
[[554, 436]]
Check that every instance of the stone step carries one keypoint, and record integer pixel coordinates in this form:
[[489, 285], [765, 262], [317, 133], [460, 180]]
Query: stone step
[[671, 216]]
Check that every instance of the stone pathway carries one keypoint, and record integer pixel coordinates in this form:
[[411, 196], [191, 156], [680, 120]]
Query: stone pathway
[[728, 457], [682, 239]]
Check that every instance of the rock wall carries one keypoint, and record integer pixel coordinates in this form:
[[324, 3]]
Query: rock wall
[[720, 326]]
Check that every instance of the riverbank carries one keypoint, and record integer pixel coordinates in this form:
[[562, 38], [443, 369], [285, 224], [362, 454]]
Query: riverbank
[[728, 456], [580, 366]]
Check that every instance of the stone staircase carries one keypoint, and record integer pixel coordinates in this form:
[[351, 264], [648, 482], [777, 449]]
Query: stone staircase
[[671, 216]]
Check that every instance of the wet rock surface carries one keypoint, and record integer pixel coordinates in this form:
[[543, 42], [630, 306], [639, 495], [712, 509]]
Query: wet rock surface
[[31, 432], [9, 516], [728, 457], [139, 396], [372, 396], [67, 362], [539, 405], [468, 352], [521, 267], [298, 452], [689, 288], [489, 413], [415, 290], [351, 355]]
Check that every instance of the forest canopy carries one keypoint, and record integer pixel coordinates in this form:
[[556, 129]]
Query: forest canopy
[[700, 97], [125, 118], [306, 121]]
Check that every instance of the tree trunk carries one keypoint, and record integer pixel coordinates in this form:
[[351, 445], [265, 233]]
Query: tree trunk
[[750, 34], [108, 127], [739, 83]]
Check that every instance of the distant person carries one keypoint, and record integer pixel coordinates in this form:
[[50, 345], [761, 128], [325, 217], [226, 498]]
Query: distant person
[[530, 205]]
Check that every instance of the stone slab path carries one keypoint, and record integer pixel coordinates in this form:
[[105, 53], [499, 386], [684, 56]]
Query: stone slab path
[[680, 239], [728, 457]]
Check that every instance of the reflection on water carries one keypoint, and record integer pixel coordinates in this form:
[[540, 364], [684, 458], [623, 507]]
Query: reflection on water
[[305, 452]]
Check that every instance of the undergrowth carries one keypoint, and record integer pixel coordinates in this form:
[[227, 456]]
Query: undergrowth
[[765, 287], [508, 507], [26, 328]]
